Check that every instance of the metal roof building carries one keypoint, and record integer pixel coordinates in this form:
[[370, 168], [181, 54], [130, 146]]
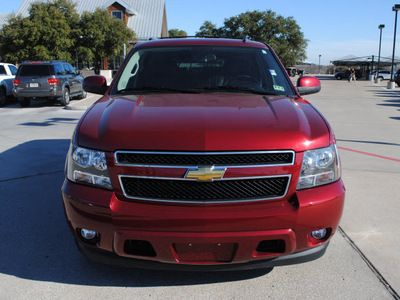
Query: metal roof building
[[147, 18], [4, 18], [352, 60]]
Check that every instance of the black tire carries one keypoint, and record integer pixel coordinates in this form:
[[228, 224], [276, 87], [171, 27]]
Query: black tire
[[3, 97], [65, 97], [24, 102], [339, 77]]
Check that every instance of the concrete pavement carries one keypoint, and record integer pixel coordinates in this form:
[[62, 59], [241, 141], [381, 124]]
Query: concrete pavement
[[366, 119]]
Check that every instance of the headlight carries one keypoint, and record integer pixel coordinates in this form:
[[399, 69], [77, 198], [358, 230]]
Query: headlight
[[88, 167], [320, 166]]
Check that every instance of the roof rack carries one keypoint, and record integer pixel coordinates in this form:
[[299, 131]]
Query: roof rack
[[44, 61], [244, 39]]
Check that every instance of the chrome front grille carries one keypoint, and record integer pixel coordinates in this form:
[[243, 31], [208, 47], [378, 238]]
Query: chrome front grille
[[214, 190], [178, 159]]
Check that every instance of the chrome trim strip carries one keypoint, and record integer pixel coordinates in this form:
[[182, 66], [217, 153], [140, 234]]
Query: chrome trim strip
[[289, 176], [204, 153]]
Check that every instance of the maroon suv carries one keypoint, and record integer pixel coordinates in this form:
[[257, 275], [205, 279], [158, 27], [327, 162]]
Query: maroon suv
[[202, 155]]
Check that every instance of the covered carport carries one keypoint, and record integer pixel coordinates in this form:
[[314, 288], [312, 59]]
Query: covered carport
[[366, 64]]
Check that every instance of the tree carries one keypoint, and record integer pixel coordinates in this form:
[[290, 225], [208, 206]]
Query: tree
[[49, 32], [208, 29], [284, 35], [176, 33], [102, 35], [54, 30]]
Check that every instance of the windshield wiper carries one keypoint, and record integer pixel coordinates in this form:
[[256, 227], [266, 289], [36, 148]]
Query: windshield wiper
[[227, 88], [150, 89]]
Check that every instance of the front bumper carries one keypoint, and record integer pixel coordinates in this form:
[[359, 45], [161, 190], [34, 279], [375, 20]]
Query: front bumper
[[204, 237], [109, 258]]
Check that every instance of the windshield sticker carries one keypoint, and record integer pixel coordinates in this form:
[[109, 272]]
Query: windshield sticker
[[273, 73], [279, 88], [264, 52]]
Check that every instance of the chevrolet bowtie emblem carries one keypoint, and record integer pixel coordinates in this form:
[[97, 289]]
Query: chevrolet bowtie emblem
[[205, 173]]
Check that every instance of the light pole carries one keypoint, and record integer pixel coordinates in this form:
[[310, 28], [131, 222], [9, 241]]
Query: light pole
[[319, 65], [380, 27], [395, 8]]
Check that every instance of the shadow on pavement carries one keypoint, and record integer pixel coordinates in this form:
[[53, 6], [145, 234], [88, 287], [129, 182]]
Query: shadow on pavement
[[36, 243], [368, 142], [325, 77], [51, 121]]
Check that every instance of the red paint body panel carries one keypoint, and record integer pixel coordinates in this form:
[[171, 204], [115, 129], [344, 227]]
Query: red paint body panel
[[167, 224], [178, 122]]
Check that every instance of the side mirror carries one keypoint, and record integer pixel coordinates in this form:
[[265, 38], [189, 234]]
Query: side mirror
[[95, 84], [308, 85]]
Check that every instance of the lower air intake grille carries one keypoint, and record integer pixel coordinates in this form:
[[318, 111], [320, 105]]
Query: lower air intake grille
[[216, 191]]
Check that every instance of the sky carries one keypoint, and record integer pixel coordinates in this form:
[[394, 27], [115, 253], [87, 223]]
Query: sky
[[334, 28]]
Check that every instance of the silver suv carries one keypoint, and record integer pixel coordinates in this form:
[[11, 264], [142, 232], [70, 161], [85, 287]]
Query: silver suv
[[54, 80]]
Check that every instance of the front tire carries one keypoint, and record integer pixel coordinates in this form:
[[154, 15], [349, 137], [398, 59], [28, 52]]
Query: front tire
[[65, 97]]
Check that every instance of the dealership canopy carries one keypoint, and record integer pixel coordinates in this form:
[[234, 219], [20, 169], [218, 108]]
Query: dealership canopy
[[352, 60]]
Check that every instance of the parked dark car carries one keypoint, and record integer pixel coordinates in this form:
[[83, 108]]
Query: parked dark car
[[396, 77], [291, 71], [346, 74], [54, 80]]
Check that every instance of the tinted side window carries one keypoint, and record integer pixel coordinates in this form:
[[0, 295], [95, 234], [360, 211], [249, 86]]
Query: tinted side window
[[13, 70], [3, 70], [35, 70], [58, 69], [69, 69], [72, 69]]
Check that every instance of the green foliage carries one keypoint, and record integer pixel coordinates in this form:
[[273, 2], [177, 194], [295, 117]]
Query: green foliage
[[54, 30], [284, 35], [209, 29], [48, 33], [102, 35], [176, 33]]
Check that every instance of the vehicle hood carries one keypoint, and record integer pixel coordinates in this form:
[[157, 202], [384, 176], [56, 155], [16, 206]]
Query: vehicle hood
[[202, 122]]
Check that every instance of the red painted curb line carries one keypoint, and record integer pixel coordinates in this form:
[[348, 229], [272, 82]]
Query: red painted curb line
[[370, 154]]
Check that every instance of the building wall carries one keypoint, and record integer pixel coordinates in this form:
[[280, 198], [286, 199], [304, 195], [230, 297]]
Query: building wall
[[164, 29], [117, 7]]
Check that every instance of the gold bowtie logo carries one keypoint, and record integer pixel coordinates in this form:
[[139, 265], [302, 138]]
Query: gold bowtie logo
[[205, 173]]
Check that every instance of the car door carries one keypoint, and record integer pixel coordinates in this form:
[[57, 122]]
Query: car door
[[74, 83]]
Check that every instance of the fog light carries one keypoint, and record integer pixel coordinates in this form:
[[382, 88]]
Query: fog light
[[319, 234], [88, 234]]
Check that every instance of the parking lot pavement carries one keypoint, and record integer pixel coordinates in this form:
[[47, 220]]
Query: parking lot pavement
[[366, 119], [38, 258], [83, 104]]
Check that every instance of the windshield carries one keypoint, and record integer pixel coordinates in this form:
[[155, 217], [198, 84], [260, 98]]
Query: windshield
[[202, 69], [34, 70]]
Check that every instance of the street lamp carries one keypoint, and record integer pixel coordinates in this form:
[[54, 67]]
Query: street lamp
[[395, 8], [319, 65], [380, 27]]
